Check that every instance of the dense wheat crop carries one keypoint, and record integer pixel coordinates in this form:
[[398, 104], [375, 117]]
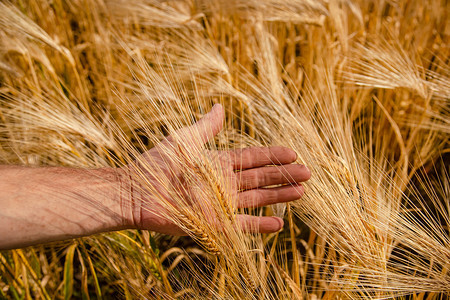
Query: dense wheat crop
[[359, 89]]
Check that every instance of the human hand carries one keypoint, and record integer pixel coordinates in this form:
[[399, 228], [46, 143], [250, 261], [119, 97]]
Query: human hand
[[157, 179]]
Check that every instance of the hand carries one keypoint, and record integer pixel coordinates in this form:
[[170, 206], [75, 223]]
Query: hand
[[249, 171]]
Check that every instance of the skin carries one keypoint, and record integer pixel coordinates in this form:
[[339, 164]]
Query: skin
[[46, 204]]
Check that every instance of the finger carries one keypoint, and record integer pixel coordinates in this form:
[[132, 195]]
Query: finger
[[260, 156], [202, 131], [267, 196], [259, 177], [253, 224]]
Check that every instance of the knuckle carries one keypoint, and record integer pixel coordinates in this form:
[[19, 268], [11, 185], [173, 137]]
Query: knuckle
[[246, 155], [258, 196], [271, 196], [249, 180], [273, 174], [260, 177]]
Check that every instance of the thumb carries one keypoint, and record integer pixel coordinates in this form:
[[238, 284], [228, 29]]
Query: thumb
[[205, 129]]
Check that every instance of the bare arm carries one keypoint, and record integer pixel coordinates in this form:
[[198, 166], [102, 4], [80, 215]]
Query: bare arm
[[46, 204]]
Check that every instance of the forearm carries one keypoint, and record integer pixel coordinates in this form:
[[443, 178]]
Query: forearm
[[46, 204]]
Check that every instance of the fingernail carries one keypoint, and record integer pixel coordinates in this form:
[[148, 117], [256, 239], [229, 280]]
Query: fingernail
[[280, 223]]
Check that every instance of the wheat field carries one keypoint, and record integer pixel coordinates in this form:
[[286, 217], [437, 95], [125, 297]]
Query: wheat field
[[358, 89]]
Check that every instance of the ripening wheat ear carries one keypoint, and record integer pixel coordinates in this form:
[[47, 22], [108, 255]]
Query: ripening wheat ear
[[411, 104], [386, 65], [34, 122], [13, 21]]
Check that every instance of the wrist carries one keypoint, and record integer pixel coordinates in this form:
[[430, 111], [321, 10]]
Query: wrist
[[129, 199]]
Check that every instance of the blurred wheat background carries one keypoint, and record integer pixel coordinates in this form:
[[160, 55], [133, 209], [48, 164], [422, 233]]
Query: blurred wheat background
[[359, 89]]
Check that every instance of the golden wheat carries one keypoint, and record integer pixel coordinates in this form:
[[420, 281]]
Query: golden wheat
[[359, 89]]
